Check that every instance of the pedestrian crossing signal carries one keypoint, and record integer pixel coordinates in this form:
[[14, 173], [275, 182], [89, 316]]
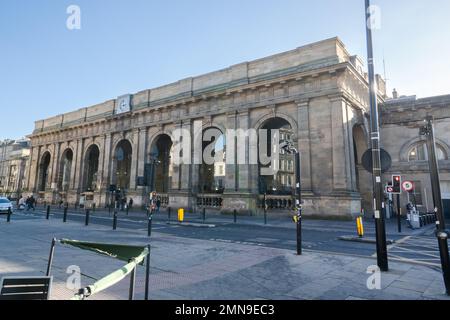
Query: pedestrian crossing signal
[[396, 184]]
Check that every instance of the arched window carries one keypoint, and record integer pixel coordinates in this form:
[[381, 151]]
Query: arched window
[[420, 153]]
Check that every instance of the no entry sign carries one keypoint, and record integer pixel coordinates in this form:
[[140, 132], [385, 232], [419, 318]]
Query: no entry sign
[[408, 186]]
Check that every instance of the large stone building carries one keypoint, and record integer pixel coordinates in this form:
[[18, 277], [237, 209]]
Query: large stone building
[[317, 95], [401, 119], [14, 157]]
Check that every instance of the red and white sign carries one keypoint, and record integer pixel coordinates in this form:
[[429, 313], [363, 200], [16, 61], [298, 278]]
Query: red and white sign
[[390, 189], [408, 186]]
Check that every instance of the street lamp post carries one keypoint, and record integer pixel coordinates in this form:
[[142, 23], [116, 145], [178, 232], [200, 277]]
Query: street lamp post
[[441, 233], [290, 149], [380, 228]]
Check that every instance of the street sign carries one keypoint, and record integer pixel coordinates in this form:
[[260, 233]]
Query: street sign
[[408, 186], [386, 160], [389, 189]]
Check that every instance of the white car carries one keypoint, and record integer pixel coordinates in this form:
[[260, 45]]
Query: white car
[[5, 205]]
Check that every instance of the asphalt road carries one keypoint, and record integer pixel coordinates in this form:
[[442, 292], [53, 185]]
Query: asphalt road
[[319, 236]]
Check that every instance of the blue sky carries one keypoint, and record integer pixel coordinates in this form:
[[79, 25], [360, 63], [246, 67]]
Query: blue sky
[[127, 46]]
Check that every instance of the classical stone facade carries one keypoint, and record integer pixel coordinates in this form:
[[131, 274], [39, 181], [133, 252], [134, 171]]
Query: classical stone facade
[[401, 119], [318, 92], [14, 157]]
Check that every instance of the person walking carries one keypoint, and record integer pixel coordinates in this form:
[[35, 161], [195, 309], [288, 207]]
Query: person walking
[[130, 203], [158, 204]]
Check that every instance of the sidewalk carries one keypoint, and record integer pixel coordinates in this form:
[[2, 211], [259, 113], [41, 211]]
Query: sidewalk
[[184, 268]]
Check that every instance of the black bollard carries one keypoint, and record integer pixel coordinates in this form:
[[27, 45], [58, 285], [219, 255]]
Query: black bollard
[[265, 209], [128, 210], [204, 214], [86, 222], [93, 207], [149, 228], [8, 219], [48, 213], [66, 207], [445, 259], [115, 220], [235, 216], [169, 209]]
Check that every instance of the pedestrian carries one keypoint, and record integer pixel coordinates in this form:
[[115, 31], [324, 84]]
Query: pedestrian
[[158, 204], [32, 202], [130, 203]]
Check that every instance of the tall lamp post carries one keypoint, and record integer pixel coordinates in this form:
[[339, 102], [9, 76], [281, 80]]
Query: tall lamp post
[[380, 228], [441, 233], [289, 148]]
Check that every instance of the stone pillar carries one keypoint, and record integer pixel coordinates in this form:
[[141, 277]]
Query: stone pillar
[[231, 171], [33, 169], [142, 150], [77, 181], [107, 162], [134, 159], [340, 145], [243, 179], [55, 163], [304, 145]]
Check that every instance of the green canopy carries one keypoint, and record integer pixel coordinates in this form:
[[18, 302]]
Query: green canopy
[[134, 255], [118, 251]]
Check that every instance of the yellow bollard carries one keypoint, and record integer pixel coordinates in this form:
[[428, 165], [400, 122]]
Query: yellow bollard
[[181, 215], [360, 226]]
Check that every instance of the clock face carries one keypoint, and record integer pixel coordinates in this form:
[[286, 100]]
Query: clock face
[[123, 104]]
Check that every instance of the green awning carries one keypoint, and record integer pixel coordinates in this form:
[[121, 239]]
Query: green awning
[[112, 278], [118, 251]]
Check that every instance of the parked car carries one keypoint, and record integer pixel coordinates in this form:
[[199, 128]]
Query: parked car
[[5, 205]]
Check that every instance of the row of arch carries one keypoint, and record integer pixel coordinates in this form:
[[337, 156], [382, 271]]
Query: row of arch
[[211, 175]]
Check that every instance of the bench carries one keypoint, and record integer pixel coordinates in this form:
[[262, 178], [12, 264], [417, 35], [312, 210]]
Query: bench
[[25, 288]]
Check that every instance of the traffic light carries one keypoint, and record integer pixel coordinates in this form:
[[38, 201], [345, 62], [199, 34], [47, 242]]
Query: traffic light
[[397, 184]]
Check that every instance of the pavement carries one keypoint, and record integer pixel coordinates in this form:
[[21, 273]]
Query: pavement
[[187, 265]]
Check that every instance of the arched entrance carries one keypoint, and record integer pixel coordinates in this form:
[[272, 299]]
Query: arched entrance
[[65, 170], [363, 179], [213, 169], [160, 160], [44, 167], [122, 165], [283, 181], [91, 168]]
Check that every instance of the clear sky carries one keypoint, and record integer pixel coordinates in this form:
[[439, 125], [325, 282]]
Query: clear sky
[[125, 46]]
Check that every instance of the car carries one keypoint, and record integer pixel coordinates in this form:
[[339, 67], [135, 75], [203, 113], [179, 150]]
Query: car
[[5, 205]]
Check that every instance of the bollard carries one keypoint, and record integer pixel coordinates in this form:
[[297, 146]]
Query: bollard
[[115, 220], [8, 219], [169, 209], [235, 215], [128, 210], [93, 207], [149, 227], [360, 227], [265, 209], [48, 213], [204, 215], [65, 213], [86, 222], [445, 259]]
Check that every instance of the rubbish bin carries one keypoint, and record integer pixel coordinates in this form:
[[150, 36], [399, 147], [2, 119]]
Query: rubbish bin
[[414, 219], [181, 215]]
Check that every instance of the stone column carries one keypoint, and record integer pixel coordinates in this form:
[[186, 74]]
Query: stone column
[[231, 171], [244, 178], [340, 145], [134, 159], [79, 166], [141, 153], [106, 161], [33, 169], [55, 163], [304, 145]]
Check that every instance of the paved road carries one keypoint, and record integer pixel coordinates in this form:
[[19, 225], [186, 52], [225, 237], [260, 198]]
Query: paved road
[[280, 233]]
